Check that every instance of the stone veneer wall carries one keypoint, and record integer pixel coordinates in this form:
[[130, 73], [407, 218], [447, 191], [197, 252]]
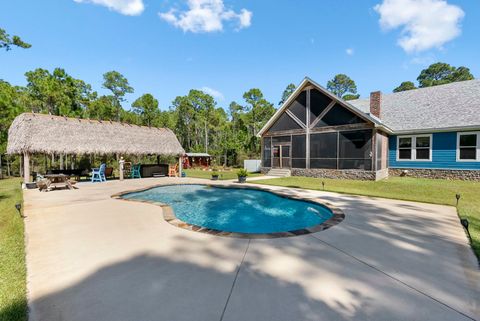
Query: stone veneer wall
[[467, 175], [335, 173], [329, 173]]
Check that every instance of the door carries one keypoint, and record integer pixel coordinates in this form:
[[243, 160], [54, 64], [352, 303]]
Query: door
[[281, 156]]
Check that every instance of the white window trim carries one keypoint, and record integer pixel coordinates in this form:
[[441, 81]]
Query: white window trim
[[414, 148], [458, 147]]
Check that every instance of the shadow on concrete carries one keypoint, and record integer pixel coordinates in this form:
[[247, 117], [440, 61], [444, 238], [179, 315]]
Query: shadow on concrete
[[148, 287]]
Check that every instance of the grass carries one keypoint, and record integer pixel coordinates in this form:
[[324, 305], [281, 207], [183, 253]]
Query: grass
[[13, 302], [198, 173], [412, 189]]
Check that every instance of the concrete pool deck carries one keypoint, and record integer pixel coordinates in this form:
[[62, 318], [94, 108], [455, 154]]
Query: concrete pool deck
[[91, 257]]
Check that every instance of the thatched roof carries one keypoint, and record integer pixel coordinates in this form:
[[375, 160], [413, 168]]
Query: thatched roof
[[39, 133]]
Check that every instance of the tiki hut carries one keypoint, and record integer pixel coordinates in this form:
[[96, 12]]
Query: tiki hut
[[32, 133]]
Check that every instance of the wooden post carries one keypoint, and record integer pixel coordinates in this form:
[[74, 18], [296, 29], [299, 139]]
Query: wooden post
[[21, 166], [180, 166], [26, 167], [8, 166], [61, 161]]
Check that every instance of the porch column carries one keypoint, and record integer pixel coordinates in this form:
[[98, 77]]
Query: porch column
[[180, 166], [121, 167], [307, 132], [26, 167]]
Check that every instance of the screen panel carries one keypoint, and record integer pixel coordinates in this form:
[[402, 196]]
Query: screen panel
[[284, 122], [318, 103], [299, 151], [267, 152], [355, 144], [326, 163], [299, 163], [299, 107], [337, 116], [299, 146], [323, 150], [355, 150], [323, 145], [281, 139], [365, 164]]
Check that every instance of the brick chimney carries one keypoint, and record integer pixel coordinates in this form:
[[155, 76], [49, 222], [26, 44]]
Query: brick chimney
[[376, 103]]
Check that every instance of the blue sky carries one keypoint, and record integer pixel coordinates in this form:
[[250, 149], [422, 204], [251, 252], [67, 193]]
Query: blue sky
[[166, 47]]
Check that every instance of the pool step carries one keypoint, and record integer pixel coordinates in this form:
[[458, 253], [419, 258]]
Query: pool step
[[279, 172]]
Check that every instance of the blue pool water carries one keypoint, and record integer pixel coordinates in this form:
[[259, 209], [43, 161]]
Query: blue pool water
[[234, 209]]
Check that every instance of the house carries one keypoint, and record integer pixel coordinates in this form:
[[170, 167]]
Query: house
[[429, 132]]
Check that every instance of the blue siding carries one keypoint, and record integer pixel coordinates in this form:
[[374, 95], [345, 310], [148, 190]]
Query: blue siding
[[444, 154]]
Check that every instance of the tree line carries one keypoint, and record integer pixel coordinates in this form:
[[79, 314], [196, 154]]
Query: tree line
[[201, 125]]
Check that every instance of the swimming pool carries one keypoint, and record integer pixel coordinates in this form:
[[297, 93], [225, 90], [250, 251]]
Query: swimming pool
[[237, 210]]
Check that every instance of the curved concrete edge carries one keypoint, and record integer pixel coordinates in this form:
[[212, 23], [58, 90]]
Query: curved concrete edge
[[169, 215]]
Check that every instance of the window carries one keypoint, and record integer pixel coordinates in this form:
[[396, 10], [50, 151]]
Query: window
[[468, 146], [405, 148], [414, 148]]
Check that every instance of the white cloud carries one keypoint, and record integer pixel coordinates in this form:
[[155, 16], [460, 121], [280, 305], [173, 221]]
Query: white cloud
[[206, 16], [425, 24], [126, 7], [350, 51], [212, 92]]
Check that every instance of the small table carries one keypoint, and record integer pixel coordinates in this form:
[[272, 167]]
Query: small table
[[58, 180]]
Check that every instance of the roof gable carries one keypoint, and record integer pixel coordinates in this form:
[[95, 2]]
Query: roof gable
[[306, 82]]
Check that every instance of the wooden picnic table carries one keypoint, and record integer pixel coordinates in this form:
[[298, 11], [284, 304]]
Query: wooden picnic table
[[56, 180]]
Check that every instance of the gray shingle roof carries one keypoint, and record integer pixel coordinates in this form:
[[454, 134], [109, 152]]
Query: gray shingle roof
[[445, 106]]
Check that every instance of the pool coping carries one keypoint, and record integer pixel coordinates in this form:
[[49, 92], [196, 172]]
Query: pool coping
[[169, 215]]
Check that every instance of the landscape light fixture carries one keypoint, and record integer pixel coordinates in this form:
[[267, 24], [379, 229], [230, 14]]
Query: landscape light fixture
[[458, 196], [323, 185], [464, 222], [18, 206]]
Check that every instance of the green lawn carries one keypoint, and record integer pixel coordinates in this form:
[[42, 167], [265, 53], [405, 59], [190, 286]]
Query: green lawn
[[412, 189], [13, 303], [198, 173]]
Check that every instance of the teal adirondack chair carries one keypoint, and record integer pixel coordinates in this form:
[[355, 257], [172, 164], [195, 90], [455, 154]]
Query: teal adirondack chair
[[98, 174], [136, 171]]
